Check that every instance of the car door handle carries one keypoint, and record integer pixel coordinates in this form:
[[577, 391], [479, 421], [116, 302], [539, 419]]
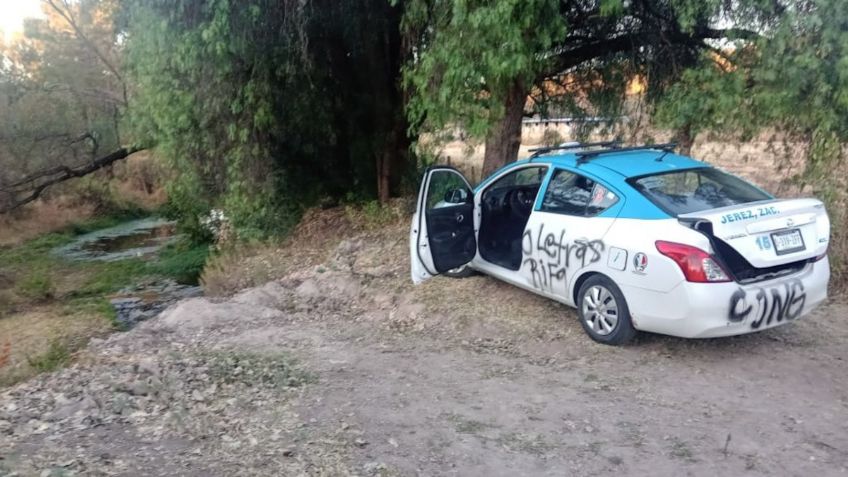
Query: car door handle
[[460, 218]]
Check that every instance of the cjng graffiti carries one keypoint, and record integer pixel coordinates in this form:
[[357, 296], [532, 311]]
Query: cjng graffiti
[[775, 304], [549, 255]]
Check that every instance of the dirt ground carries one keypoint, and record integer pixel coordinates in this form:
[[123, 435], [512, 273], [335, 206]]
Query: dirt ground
[[345, 368]]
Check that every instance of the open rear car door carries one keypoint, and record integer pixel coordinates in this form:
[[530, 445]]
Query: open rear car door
[[441, 237]]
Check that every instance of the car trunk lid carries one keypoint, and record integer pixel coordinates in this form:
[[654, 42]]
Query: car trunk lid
[[770, 233]]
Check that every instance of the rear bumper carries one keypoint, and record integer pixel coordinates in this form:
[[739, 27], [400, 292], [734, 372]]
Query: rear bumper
[[707, 310]]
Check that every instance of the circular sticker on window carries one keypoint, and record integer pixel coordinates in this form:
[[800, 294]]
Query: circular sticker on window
[[598, 195]]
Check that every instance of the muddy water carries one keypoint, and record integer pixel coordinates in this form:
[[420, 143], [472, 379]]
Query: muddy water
[[143, 239], [135, 239]]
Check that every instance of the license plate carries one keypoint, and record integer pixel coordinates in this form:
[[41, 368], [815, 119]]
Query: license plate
[[788, 241]]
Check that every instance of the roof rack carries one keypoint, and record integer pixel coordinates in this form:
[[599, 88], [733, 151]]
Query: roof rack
[[585, 156], [544, 150]]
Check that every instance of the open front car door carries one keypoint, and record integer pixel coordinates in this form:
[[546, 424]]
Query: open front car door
[[441, 237]]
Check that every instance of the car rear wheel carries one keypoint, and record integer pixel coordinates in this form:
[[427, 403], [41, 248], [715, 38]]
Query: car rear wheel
[[603, 312]]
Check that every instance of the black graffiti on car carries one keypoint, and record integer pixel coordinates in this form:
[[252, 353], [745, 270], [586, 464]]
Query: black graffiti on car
[[549, 255], [775, 304]]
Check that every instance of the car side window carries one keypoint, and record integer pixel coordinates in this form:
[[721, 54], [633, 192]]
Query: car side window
[[572, 194], [522, 177]]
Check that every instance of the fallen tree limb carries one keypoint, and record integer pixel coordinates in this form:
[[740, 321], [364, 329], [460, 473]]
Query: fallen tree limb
[[31, 187]]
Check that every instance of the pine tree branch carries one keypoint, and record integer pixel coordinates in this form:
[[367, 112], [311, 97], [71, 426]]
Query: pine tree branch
[[571, 57]]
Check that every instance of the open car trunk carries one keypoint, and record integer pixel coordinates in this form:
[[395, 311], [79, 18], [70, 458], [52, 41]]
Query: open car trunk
[[765, 239]]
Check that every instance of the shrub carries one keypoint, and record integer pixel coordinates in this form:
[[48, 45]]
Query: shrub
[[183, 262], [37, 286], [56, 356], [552, 137]]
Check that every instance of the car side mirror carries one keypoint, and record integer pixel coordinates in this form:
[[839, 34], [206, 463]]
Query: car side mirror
[[456, 196]]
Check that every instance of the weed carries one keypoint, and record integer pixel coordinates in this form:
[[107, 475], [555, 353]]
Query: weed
[[7, 302], [256, 369], [37, 286], [108, 277], [372, 214], [681, 450], [96, 306], [464, 425], [56, 356], [520, 442], [5, 353], [182, 262]]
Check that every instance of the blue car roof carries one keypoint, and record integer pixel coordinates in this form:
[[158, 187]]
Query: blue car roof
[[625, 164]]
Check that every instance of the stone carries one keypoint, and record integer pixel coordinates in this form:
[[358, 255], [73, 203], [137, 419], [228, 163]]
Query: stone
[[202, 313], [270, 295], [125, 302], [138, 388], [72, 408]]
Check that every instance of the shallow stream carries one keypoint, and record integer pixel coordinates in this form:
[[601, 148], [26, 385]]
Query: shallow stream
[[144, 239]]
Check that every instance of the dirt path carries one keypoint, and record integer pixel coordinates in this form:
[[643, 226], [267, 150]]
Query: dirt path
[[345, 369]]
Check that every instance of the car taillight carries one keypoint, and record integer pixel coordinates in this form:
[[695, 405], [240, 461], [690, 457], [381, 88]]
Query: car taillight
[[696, 264]]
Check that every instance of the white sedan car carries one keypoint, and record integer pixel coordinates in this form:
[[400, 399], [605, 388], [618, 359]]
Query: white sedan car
[[636, 238]]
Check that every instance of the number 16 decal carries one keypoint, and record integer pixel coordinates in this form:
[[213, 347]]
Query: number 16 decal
[[764, 243]]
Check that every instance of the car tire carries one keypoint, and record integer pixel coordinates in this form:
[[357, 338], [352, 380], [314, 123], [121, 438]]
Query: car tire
[[603, 312], [460, 272]]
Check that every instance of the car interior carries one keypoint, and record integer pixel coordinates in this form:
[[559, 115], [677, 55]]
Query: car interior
[[506, 206]]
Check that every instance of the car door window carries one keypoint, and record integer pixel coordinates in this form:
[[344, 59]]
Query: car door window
[[447, 189], [572, 194]]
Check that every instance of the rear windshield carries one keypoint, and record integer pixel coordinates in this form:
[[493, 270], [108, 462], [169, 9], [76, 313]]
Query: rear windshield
[[695, 190]]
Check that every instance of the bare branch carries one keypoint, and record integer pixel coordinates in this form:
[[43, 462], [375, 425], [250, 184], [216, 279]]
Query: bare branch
[[66, 13], [31, 187]]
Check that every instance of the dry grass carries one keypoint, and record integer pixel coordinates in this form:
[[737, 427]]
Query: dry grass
[[38, 330], [139, 180], [242, 266], [40, 218]]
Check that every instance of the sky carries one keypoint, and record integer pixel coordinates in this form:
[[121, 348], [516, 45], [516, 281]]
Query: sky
[[13, 12]]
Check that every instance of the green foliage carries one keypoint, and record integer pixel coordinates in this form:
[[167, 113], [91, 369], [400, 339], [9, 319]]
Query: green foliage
[[36, 286], [56, 356], [793, 79], [183, 262], [262, 107], [109, 277], [571, 59], [472, 53]]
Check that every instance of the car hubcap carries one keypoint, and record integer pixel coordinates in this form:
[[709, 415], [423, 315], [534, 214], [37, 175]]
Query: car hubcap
[[600, 311]]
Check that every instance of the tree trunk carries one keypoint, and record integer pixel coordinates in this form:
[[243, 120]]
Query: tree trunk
[[393, 161], [685, 140], [384, 171], [504, 138]]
